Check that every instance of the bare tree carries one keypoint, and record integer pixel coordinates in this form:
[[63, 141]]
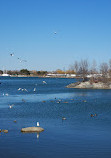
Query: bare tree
[[84, 68], [104, 71], [75, 67], [93, 67], [110, 68]]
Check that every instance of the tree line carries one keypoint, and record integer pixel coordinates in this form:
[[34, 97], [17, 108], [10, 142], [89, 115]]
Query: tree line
[[83, 68], [25, 72]]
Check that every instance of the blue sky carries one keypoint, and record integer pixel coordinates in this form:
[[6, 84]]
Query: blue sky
[[27, 28]]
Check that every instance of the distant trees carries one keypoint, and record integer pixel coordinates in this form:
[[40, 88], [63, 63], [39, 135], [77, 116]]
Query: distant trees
[[93, 69], [75, 67], [81, 68], [104, 69], [84, 69], [1, 72], [110, 68], [13, 72], [59, 71], [24, 72], [41, 73]]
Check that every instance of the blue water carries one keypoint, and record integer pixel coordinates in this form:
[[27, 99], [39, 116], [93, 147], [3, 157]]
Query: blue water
[[79, 136]]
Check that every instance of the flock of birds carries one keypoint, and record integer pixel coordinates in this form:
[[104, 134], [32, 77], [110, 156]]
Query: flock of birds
[[19, 59], [22, 60], [55, 100]]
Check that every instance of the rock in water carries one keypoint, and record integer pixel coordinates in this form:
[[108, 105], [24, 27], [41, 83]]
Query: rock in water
[[32, 129], [5, 130]]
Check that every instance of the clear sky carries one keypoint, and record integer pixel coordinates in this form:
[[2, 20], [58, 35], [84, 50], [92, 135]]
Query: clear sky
[[83, 31]]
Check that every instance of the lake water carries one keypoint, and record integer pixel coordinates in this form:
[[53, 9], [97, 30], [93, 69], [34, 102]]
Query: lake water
[[79, 136]]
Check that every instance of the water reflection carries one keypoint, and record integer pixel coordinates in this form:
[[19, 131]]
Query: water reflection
[[38, 135]]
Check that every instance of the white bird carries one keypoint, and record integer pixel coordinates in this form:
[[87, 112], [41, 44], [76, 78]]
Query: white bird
[[19, 89], [23, 61], [20, 60], [38, 124], [6, 94], [55, 32], [63, 118], [10, 106], [44, 82], [25, 90], [34, 89]]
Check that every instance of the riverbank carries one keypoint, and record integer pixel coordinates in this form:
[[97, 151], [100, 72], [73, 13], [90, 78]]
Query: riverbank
[[89, 85]]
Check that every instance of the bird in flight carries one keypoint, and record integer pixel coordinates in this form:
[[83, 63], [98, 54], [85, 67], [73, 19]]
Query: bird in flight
[[10, 106], [20, 60], [12, 54]]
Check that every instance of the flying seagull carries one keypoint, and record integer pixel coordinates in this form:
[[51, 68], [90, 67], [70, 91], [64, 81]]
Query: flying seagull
[[10, 106], [12, 54]]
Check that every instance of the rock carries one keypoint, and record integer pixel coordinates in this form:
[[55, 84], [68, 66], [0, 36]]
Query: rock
[[0, 130], [32, 129], [5, 130], [88, 85], [73, 85]]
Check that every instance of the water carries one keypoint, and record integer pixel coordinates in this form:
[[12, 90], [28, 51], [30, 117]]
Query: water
[[79, 136]]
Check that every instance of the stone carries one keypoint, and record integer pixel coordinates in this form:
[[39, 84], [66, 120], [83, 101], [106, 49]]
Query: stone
[[5, 130], [32, 129]]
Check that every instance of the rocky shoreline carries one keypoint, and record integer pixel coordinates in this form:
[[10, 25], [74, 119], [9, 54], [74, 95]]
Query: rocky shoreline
[[89, 85]]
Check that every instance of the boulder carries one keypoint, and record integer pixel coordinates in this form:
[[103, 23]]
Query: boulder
[[32, 129], [5, 130]]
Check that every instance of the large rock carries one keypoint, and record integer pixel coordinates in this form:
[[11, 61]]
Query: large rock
[[4, 130], [32, 129], [88, 85]]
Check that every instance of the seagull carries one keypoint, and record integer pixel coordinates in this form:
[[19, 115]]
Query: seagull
[[19, 89], [20, 60], [12, 54], [44, 82], [34, 89], [23, 61], [38, 124], [10, 106], [25, 90], [55, 32], [63, 118]]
